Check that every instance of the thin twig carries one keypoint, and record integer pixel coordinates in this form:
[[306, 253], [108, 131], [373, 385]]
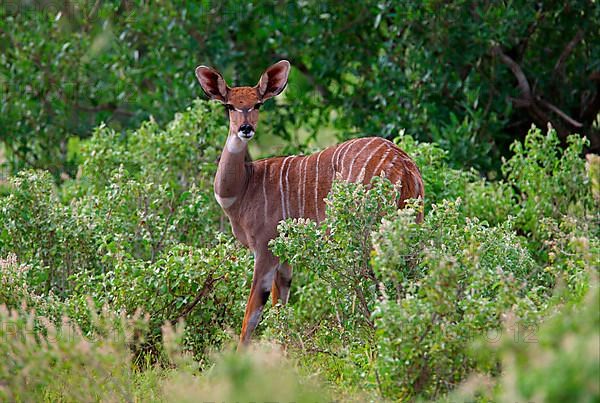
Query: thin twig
[[528, 100], [560, 63], [517, 72], [206, 288], [560, 113]]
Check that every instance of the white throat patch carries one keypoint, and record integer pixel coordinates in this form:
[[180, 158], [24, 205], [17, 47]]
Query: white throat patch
[[225, 202], [235, 144]]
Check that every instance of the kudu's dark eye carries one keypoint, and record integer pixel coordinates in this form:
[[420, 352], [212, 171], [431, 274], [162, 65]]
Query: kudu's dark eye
[[229, 107], [258, 105]]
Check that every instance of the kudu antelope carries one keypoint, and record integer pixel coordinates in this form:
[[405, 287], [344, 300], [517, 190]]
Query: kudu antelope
[[257, 195]]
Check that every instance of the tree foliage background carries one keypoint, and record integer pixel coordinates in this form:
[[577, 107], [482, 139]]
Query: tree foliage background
[[470, 75]]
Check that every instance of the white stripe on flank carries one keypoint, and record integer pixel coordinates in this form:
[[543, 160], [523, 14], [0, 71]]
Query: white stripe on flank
[[301, 186], [376, 171], [389, 166], [281, 187], [334, 156], [317, 187], [304, 181], [364, 167], [287, 189], [343, 146], [355, 158], [344, 156], [264, 186]]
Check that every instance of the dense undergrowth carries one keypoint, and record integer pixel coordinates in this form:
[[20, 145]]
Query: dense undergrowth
[[126, 284]]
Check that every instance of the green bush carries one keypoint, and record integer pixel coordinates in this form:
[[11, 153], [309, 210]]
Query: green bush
[[401, 321], [137, 229], [555, 363], [337, 288], [337, 251], [205, 287], [414, 307], [16, 291], [489, 201], [451, 279], [562, 363], [541, 180], [181, 154], [141, 195], [550, 182], [55, 239]]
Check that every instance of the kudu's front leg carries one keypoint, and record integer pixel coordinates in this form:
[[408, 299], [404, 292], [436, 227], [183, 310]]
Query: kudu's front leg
[[265, 266]]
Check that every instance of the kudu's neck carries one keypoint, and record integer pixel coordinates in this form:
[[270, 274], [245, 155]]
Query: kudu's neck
[[233, 173]]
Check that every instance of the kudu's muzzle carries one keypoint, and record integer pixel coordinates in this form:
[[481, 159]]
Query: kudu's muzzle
[[246, 131]]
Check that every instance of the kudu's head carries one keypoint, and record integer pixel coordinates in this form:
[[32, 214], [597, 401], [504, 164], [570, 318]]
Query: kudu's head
[[243, 103]]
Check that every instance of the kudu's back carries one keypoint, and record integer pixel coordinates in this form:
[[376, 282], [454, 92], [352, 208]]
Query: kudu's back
[[296, 186]]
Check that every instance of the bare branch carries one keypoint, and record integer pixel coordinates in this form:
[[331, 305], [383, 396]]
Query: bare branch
[[206, 288], [533, 103], [560, 113], [517, 72], [560, 63], [522, 46]]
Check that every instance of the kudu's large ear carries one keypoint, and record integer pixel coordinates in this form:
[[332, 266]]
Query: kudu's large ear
[[273, 80], [212, 83]]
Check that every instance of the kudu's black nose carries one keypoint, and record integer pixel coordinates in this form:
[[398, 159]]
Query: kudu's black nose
[[246, 128]]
